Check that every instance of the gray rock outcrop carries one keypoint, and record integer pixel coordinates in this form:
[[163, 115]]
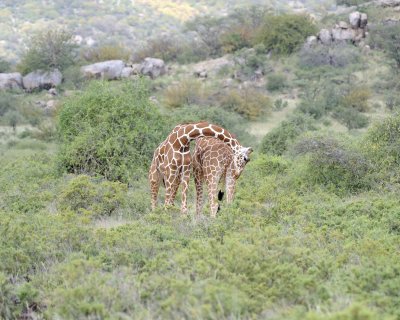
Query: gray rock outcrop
[[107, 70], [354, 31], [42, 79], [9, 81], [153, 67]]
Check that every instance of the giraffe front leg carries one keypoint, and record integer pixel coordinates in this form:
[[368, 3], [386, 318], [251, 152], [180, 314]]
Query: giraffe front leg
[[230, 183], [185, 187], [154, 179]]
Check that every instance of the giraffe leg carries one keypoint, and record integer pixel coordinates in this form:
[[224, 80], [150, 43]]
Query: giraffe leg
[[212, 186], [171, 185], [198, 181], [185, 187], [230, 183], [155, 179]]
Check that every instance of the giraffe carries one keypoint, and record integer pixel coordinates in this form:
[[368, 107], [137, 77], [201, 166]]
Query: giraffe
[[172, 160], [212, 161]]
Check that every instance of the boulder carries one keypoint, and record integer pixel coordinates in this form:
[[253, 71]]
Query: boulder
[[388, 3], [201, 73], [153, 67], [311, 41], [10, 81], [339, 34], [53, 92], [127, 72], [325, 36], [343, 25], [108, 70], [42, 79], [355, 19], [363, 20]]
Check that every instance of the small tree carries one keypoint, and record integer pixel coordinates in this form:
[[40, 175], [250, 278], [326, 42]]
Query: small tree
[[284, 34], [12, 118], [49, 49], [387, 37]]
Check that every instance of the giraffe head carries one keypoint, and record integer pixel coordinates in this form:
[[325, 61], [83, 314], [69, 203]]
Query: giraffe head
[[240, 159]]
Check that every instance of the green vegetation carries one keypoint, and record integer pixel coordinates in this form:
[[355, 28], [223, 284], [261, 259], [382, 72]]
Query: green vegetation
[[109, 130], [284, 34], [48, 50], [313, 232]]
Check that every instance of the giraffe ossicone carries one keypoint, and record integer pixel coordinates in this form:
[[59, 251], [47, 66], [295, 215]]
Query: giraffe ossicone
[[172, 160]]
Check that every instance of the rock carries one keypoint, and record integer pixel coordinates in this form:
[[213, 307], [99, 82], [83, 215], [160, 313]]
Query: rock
[[42, 79], [53, 92], [10, 81], [343, 25], [212, 66], [201, 73], [136, 68], [355, 19], [363, 20], [127, 72], [311, 41], [108, 70], [153, 67], [325, 36], [339, 34], [41, 103], [388, 3]]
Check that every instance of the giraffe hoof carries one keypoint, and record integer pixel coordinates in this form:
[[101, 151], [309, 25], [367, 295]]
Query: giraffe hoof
[[220, 195]]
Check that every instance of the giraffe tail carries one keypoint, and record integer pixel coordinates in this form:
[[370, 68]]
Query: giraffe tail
[[220, 195]]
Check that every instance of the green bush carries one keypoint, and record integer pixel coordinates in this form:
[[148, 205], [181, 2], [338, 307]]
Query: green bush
[[351, 118], [350, 2], [276, 82], [184, 93], [332, 164], [5, 66], [106, 52], [382, 142], [357, 99], [249, 103], [337, 55], [284, 34], [110, 129], [84, 196], [387, 38], [277, 141], [49, 49]]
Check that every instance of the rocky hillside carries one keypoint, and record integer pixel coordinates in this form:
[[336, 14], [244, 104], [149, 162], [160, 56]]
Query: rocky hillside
[[128, 22]]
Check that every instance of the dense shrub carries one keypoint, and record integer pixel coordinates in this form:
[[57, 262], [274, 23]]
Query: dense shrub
[[185, 92], [333, 164], [106, 52], [249, 103], [249, 61], [350, 2], [337, 55], [110, 129], [387, 37], [351, 118], [277, 141], [7, 103], [383, 141], [5, 66], [85, 196], [276, 82], [47, 50], [357, 99], [284, 34]]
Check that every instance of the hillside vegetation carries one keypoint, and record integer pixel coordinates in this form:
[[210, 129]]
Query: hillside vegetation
[[314, 230]]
